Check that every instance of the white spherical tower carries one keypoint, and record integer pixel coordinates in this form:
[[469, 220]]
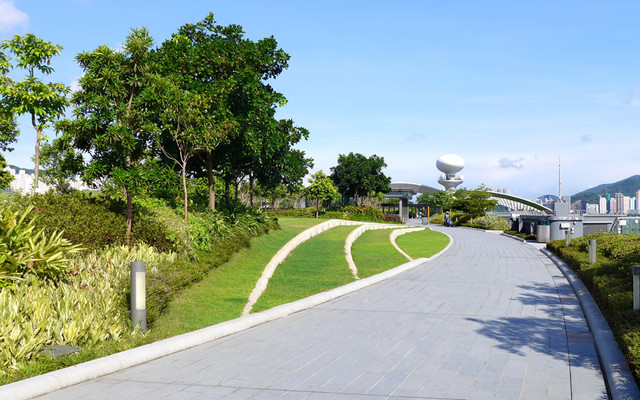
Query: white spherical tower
[[450, 164]]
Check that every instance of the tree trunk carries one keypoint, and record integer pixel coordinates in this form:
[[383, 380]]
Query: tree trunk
[[36, 173], [227, 191], [212, 182], [251, 190], [127, 238], [186, 193]]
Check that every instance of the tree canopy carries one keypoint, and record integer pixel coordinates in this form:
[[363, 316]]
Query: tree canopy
[[44, 102], [357, 176], [321, 189]]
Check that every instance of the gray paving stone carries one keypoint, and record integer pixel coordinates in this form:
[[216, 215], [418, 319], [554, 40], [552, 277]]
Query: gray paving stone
[[488, 319]]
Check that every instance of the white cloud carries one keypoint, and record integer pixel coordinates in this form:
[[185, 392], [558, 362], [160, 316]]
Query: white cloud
[[75, 85], [507, 163], [11, 17]]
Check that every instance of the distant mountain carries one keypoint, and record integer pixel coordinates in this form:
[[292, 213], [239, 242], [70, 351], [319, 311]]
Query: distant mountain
[[26, 170], [628, 187], [546, 197]]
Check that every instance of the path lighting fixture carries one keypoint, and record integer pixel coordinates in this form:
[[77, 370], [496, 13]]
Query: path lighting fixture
[[138, 295]]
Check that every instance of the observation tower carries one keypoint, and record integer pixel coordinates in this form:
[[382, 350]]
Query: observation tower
[[450, 165]]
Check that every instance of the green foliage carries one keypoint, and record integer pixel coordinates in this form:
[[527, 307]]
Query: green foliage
[[370, 214], [321, 189], [440, 198], [112, 116], [357, 176], [610, 282], [5, 177], [87, 309], [45, 102], [25, 251], [491, 222], [90, 220], [473, 202]]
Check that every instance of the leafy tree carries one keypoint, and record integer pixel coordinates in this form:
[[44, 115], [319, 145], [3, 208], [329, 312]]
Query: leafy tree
[[474, 202], [357, 176], [113, 121], [5, 177], [321, 189], [219, 63], [440, 198], [186, 123], [44, 102]]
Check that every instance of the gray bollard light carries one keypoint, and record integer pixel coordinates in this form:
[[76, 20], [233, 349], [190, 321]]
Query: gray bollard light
[[138, 294], [592, 251], [636, 287], [567, 237]]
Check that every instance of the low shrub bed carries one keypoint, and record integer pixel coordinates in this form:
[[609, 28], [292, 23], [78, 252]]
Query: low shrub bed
[[352, 213], [610, 282]]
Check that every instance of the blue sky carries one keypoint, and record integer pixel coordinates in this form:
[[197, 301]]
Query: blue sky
[[509, 86]]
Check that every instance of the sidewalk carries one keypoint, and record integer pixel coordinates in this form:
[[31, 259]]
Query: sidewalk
[[493, 318]]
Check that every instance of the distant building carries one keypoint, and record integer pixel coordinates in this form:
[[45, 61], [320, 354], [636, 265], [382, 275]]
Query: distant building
[[593, 209], [603, 205], [613, 206], [23, 183], [638, 200]]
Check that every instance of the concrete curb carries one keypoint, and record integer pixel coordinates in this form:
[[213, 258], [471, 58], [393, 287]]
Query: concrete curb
[[76, 374], [353, 236], [617, 374], [282, 254], [399, 232]]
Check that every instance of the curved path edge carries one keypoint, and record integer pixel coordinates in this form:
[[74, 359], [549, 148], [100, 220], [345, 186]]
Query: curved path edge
[[399, 232], [617, 374], [353, 236], [56, 380]]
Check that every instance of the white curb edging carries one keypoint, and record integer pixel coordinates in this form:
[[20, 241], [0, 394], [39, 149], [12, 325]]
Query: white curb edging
[[282, 254], [399, 232], [353, 236], [52, 381]]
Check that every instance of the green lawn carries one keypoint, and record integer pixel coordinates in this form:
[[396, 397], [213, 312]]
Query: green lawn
[[373, 253], [422, 243], [315, 266], [222, 295]]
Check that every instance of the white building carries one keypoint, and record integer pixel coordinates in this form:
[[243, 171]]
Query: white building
[[23, 183]]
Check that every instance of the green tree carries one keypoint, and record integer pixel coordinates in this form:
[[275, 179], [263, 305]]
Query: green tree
[[44, 102], [220, 63], [187, 125], [113, 116], [474, 202], [357, 176], [440, 198], [321, 189]]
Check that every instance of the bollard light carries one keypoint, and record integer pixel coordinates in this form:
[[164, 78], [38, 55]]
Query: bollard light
[[636, 287], [592, 251], [567, 238], [138, 294]]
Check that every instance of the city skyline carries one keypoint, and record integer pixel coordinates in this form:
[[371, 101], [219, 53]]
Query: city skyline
[[508, 88]]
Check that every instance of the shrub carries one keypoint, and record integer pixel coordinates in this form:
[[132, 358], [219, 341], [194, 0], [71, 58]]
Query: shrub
[[23, 251], [89, 308], [84, 218], [492, 222], [610, 282]]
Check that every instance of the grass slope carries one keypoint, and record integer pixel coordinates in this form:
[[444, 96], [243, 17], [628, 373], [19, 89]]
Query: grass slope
[[422, 243], [315, 266], [221, 296], [373, 253]]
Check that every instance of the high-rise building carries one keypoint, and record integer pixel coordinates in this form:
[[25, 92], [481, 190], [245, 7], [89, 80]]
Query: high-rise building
[[638, 200], [619, 203], [603, 205], [626, 204], [613, 206]]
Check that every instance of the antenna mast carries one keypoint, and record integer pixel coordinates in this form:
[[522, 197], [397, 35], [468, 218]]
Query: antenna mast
[[559, 182]]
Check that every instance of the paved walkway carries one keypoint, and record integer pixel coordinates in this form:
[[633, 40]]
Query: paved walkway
[[492, 318]]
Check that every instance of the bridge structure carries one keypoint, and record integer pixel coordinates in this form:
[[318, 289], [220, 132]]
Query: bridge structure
[[520, 204]]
